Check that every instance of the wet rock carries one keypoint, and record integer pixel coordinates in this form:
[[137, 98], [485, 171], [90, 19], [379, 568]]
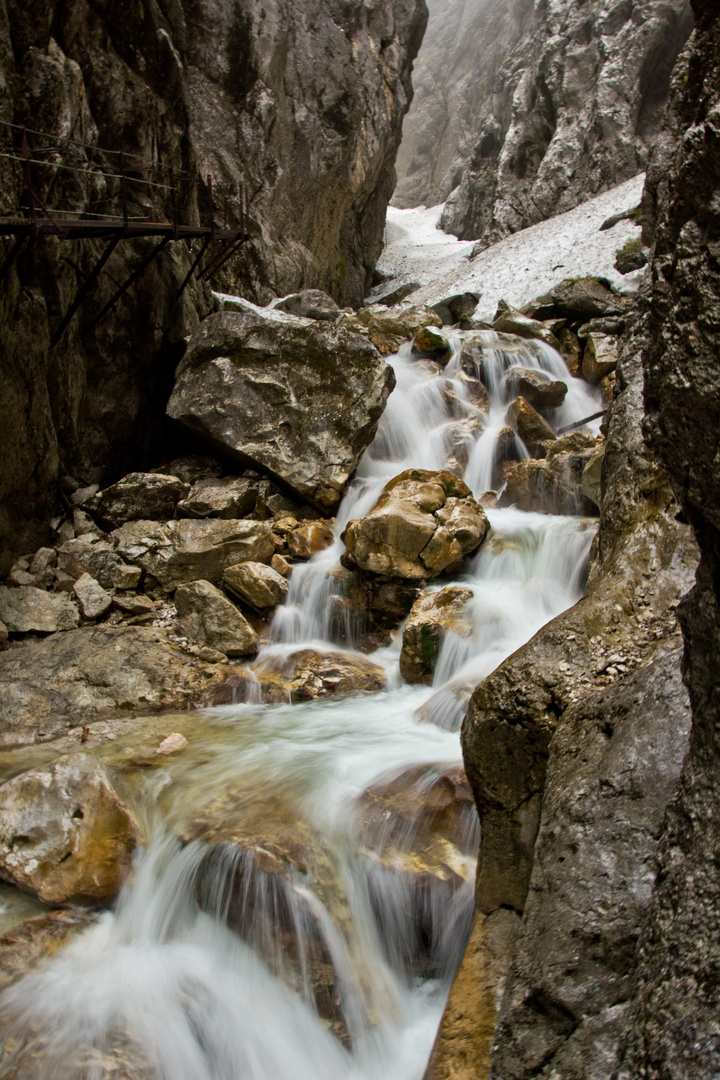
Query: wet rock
[[420, 828], [310, 304], [570, 350], [308, 540], [536, 387], [389, 328], [532, 428], [231, 497], [99, 559], [553, 486], [600, 357], [24, 946], [432, 617], [94, 601], [592, 477], [281, 566], [256, 584], [429, 342], [509, 321], [209, 618], [138, 497], [261, 364], [176, 552], [566, 1001], [306, 675], [65, 833], [50, 685], [172, 744], [459, 440], [423, 524], [26, 608], [256, 875]]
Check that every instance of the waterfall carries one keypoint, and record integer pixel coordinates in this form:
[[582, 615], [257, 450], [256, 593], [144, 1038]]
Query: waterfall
[[279, 926]]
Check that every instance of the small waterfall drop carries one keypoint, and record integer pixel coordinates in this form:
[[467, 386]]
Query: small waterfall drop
[[277, 927]]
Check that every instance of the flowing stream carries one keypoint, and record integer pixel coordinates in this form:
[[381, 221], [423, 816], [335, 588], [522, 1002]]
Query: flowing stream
[[271, 929]]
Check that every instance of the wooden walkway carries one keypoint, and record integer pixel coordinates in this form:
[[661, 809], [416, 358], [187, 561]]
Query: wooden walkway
[[39, 157]]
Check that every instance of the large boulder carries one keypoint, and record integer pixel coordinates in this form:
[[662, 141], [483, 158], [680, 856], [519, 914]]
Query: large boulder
[[26, 608], [67, 680], [209, 618], [138, 496], [176, 552], [65, 834], [99, 559], [230, 497], [423, 524], [432, 617], [296, 398]]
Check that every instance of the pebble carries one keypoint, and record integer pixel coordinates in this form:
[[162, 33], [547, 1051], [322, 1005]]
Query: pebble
[[172, 744]]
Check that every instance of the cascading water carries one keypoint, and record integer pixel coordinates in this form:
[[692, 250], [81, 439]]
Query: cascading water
[[295, 938]]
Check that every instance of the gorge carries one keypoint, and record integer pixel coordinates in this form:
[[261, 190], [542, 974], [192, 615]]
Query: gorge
[[357, 682]]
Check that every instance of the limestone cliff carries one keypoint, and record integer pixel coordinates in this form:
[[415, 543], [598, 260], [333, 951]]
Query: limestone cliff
[[455, 81], [301, 104], [534, 111]]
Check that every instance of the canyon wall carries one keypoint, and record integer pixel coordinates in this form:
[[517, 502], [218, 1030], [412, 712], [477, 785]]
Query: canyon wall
[[531, 111], [299, 105]]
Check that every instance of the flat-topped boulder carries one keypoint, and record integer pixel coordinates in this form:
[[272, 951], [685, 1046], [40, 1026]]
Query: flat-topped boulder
[[537, 387], [26, 608], [138, 496], [423, 524], [307, 674], [176, 552], [295, 398]]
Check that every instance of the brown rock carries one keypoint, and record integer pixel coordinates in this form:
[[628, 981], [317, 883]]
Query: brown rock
[[307, 674], [432, 617], [65, 834], [431, 342], [389, 328], [600, 357], [98, 558], [308, 540], [26, 608], [570, 350], [256, 584], [509, 321], [310, 304], [209, 618], [422, 524], [230, 498], [176, 552], [281, 566], [138, 497]]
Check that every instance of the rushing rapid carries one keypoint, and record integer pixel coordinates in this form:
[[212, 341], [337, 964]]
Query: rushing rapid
[[268, 866]]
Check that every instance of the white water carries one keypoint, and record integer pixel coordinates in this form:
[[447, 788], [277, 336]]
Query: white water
[[206, 965]]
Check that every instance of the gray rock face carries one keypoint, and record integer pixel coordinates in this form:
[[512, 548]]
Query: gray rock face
[[65, 834], [672, 1028], [294, 397], [209, 618], [93, 599], [302, 104], [566, 1002], [570, 110], [176, 552], [457, 70], [66, 680]]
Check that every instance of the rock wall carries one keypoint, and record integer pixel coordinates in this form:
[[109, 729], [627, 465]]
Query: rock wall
[[567, 102], [301, 104], [455, 81], [574, 746], [673, 1026]]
